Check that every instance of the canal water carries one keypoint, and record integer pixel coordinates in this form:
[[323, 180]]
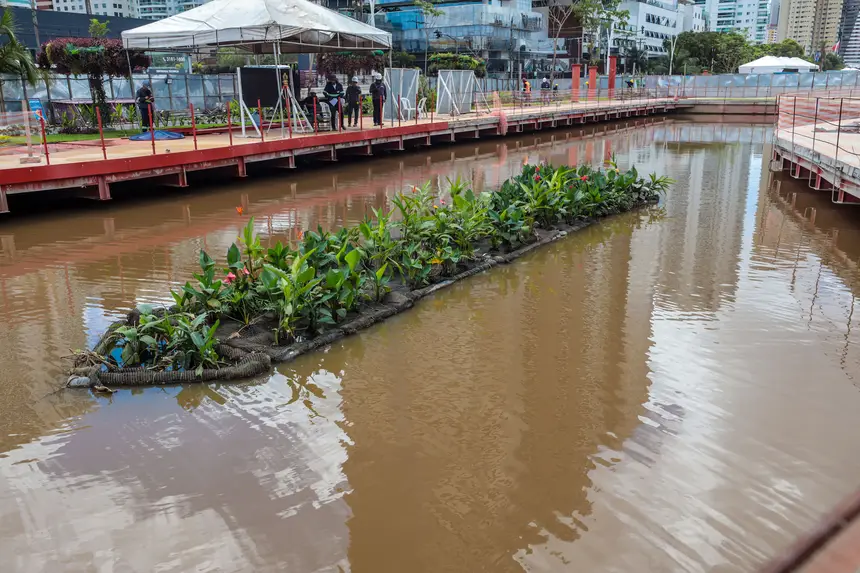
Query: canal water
[[675, 389]]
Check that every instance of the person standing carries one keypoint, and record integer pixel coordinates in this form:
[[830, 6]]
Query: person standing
[[145, 103], [333, 92], [353, 101], [378, 95]]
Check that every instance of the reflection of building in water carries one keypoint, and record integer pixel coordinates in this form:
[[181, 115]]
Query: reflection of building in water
[[475, 417], [707, 211]]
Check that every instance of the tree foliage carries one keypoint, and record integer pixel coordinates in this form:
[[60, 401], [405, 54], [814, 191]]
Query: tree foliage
[[98, 29], [93, 57], [449, 61], [349, 63], [14, 56]]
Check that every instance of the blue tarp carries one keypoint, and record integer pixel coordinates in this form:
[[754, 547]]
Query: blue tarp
[[159, 136]]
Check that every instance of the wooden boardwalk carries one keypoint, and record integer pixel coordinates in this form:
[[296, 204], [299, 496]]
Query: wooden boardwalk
[[92, 170]]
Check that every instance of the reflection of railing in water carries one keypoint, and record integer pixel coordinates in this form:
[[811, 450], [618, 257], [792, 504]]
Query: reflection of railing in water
[[268, 213]]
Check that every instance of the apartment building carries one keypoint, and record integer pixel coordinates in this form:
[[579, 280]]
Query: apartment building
[[651, 22], [814, 24], [747, 17], [849, 43]]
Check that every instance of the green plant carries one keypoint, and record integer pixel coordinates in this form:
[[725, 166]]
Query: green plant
[[510, 228], [207, 296], [380, 282], [377, 243]]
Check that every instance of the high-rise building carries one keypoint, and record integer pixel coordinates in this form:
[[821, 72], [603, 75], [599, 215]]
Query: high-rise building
[[849, 37], [814, 24], [747, 17], [123, 8], [506, 34], [650, 22]]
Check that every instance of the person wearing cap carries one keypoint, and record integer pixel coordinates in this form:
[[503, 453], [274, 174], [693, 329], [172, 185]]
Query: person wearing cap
[[378, 95], [353, 101], [544, 88], [332, 92], [145, 102]]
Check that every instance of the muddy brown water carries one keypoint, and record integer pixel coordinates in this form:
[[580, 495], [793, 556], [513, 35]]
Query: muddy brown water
[[674, 389]]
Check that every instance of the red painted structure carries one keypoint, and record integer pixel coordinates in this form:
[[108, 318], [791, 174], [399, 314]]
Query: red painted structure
[[172, 168], [576, 72], [592, 82], [613, 61]]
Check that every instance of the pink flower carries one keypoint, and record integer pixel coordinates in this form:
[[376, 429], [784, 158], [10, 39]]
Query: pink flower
[[584, 178], [230, 278], [245, 271], [442, 201]]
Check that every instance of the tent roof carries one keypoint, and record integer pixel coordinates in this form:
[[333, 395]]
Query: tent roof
[[779, 62], [297, 25]]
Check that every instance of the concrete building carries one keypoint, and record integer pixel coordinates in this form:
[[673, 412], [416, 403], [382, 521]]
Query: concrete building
[[505, 33], [651, 22], [771, 35], [747, 17], [849, 44], [814, 24]]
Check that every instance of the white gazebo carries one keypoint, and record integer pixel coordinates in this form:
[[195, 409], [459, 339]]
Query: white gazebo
[[260, 25], [776, 65]]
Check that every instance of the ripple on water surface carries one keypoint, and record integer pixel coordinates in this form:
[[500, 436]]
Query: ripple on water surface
[[668, 390]]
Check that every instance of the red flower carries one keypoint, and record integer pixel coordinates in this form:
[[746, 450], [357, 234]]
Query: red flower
[[584, 178], [230, 278], [240, 210], [537, 177]]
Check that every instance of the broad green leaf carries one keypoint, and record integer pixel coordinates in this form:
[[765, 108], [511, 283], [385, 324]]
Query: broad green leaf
[[148, 340], [333, 278], [381, 272], [206, 261], [306, 275], [234, 256], [352, 259]]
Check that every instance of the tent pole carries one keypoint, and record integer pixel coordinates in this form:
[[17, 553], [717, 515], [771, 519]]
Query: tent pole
[[131, 83], [278, 82], [241, 101]]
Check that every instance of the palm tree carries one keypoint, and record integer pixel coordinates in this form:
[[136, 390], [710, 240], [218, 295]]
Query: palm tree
[[638, 57], [15, 58]]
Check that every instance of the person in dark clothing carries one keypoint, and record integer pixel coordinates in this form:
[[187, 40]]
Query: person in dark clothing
[[145, 102], [353, 101], [544, 89], [378, 95], [333, 92], [311, 104]]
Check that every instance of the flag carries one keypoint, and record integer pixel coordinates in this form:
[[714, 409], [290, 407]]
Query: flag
[[835, 47]]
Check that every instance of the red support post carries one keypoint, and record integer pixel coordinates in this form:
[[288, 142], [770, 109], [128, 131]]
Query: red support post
[[151, 129], [230, 123], [193, 125], [592, 82], [260, 112], [45, 137], [612, 65], [101, 131]]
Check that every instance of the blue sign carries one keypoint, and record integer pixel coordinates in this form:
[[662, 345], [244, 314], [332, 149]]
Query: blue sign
[[36, 107]]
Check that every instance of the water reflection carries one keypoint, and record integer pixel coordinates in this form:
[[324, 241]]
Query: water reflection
[[668, 390]]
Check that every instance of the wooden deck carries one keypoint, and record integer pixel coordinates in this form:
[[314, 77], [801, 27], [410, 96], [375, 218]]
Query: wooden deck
[[85, 167]]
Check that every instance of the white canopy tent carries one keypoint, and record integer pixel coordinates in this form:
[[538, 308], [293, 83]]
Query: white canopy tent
[[774, 65], [291, 25]]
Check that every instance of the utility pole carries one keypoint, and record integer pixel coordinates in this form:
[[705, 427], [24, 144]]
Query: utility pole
[[33, 9]]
